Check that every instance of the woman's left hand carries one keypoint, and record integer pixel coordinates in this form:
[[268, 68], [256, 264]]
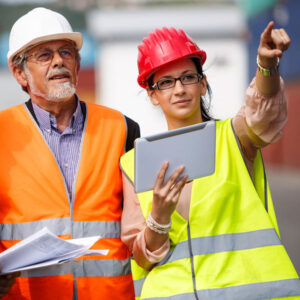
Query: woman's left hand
[[166, 195], [273, 42]]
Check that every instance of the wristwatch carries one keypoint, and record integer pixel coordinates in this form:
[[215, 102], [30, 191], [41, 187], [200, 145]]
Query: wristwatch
[[267, 72]]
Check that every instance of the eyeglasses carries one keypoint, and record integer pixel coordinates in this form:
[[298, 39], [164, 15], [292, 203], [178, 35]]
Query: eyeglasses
[[186, 79], [44, 56]]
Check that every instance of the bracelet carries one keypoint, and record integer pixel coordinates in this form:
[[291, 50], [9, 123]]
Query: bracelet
[[159, 228], [267, 72]]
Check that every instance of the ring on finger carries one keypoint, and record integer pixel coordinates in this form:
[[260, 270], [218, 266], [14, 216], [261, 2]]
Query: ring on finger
[[172, 186]]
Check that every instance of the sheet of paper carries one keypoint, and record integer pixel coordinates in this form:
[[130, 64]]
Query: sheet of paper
[[60, 260], [44, 249]]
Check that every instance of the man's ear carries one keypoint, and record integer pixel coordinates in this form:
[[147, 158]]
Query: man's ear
[[152, 95], [20, 75], [78, 67], [77, 72]]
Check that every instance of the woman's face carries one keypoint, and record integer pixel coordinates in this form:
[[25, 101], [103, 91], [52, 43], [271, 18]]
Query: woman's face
[[181, 103]]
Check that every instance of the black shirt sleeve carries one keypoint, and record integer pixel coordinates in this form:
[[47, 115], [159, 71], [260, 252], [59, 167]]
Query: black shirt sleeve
[[133, 132]]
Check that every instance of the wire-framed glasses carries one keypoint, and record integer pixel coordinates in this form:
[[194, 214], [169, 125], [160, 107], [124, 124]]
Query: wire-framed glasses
[[45, 55]]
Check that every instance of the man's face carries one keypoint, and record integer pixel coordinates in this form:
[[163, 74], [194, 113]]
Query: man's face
[[52, 71]]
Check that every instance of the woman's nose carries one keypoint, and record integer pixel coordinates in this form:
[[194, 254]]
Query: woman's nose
[[178, 88]]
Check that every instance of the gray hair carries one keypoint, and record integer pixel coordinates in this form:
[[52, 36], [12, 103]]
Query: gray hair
[[19, 60]]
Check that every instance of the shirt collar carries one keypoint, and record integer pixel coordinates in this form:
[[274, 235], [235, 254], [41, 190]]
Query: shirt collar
[[46, 120]]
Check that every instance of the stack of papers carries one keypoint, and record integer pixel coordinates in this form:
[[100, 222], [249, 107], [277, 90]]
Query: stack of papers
[[43, 249]]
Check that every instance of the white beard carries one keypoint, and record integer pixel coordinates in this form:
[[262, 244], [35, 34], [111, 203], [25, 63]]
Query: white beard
[[59, 93]]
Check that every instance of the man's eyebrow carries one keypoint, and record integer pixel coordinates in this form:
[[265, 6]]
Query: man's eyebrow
[[67, 46], [42, 48], [50, 49]]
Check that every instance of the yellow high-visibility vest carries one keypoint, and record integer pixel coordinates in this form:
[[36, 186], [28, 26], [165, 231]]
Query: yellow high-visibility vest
[[229, 248]]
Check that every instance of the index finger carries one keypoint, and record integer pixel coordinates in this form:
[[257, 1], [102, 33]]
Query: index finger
[[266, 35]]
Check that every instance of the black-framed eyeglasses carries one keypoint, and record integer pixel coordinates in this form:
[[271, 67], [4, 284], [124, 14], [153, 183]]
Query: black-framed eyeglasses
[[44, 56], [186, 79]]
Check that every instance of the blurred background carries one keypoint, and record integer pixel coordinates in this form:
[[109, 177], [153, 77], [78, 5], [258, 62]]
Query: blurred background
[[229, 31]]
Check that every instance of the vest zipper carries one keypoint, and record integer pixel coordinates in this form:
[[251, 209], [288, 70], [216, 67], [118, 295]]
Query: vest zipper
[[192, 260], [71, 203], [75, 295]]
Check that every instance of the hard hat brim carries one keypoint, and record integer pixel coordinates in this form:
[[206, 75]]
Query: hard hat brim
[[76, 37], [142, 78]]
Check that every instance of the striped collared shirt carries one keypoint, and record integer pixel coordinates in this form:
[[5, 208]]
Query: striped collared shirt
[[65, 145]]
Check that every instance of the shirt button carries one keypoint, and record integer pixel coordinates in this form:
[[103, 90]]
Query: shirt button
[[48, 130], [66, 165]]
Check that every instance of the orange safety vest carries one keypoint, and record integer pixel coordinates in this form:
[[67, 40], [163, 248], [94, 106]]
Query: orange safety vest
[[33, 195]]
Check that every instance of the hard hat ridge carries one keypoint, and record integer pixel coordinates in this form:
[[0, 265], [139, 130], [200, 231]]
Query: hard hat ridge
[[164, 46], [37, 26]]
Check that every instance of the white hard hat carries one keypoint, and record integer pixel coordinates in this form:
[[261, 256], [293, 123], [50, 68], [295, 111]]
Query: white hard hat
[[37, 26]]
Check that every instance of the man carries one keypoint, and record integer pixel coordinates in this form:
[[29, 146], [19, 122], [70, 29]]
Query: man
[[59, 166]]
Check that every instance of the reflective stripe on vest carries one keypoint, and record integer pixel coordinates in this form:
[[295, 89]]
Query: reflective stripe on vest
[[231, 241], [40, 199], [103, 267], [63, 269], [19, 231], [107, 229], [84, 268], [215, 244], [224, 242], [257, 291]]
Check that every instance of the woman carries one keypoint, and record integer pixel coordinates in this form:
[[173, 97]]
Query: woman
[[217, 236]]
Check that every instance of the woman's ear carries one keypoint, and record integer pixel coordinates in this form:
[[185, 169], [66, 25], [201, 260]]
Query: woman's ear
[[152, 95], [203, 84]]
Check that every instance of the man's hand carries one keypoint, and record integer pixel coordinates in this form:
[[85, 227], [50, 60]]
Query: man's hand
[[6, 282], [273, 42]]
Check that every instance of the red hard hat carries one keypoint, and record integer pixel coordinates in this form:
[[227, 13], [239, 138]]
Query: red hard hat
[[164, 46]]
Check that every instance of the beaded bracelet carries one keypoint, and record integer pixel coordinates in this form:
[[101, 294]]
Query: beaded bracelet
[[159, 228]]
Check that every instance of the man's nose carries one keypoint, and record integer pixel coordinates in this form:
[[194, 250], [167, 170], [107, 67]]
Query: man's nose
[[57, 59]]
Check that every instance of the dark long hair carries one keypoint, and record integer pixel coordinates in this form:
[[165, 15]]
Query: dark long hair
[[204, 103]]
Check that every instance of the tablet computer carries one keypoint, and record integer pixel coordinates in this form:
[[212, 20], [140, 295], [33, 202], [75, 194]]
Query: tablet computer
[[192, 146]]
